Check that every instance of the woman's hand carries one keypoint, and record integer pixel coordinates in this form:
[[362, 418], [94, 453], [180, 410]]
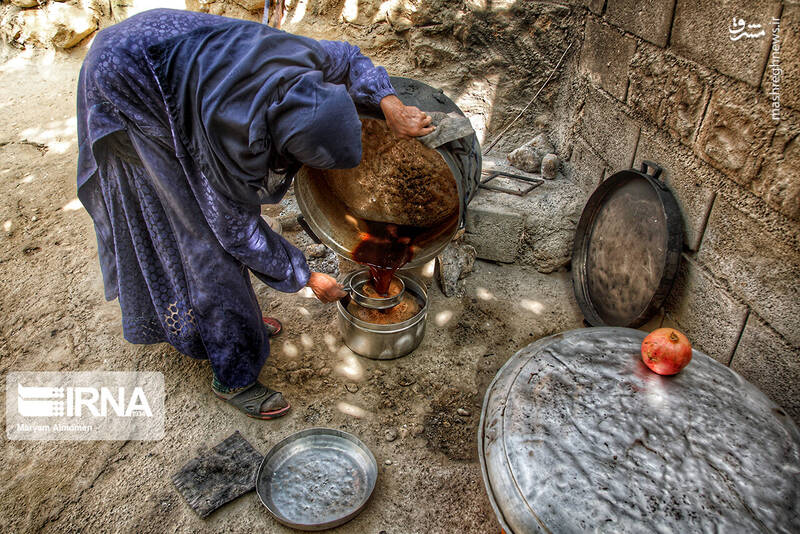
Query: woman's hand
[[325, 287], [405, 121]]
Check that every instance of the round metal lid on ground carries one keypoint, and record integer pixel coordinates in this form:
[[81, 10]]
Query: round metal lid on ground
[[627, 249], [317, 479], [577, 435]]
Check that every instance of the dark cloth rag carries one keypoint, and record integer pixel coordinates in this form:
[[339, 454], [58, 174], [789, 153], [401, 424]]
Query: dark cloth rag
[[219, 476], [449, 127]]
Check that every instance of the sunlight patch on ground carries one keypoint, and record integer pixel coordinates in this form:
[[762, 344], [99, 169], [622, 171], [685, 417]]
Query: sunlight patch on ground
[[304, 312], [532, 306], [330, 342], [349, 365], [351, 410], [299, 12], [290, 349], [443, 317], [59, 135], [306, 341], [307, 293], [484, 294], [73, 205], [350, 10], [429, 268]]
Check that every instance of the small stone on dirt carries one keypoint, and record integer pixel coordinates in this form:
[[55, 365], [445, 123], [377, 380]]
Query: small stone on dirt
[[387, 462], [289, 221], [317, 250], [550, 166], [452, 265], [529, 156], [352, 388], [390, 435], [463, 412]]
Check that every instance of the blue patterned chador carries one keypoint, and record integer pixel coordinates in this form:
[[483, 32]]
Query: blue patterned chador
[[187, 123]]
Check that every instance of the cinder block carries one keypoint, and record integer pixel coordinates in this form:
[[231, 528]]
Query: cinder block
[[761, 269], [701, 31], [669, 91], [771, 364], [735, 132], [605, 56], [702, 310], [551, 218], [786, 65], [778, 181], [649, 20], [686, 176], [586, 167], [493, 229], [609, 131]]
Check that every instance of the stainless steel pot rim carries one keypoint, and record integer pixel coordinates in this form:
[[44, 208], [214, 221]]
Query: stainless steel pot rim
[[415, 287], [356, 285]]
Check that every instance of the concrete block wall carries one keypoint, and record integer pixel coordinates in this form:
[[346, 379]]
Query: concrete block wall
[[664, 81]]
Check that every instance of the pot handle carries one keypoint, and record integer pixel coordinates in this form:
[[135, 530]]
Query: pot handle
[[656, 169], [301, 220]]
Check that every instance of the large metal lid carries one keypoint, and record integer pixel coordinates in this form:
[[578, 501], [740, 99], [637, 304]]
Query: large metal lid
[[577, 435], [627, 249]]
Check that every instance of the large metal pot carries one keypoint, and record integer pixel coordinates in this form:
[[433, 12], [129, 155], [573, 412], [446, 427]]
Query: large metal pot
[[326, 218], [384, 341]]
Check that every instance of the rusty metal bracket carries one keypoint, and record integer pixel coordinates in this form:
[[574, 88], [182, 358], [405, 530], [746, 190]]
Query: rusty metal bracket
[[533, 183]]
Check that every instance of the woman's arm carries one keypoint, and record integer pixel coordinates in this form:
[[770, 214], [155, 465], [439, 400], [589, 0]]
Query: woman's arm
[[369, 85]]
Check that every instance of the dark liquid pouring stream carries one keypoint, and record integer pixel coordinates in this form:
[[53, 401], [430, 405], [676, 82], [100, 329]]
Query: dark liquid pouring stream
[[384, 248]]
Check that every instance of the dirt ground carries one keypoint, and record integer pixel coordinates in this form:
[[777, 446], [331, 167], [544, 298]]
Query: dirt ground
[[54, 318]]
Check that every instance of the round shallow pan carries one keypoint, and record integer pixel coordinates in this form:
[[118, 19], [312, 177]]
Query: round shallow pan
[[317, 479], [627, 249]]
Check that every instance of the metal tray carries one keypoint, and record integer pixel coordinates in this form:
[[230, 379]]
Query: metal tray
[[627, 248], [317, 479]]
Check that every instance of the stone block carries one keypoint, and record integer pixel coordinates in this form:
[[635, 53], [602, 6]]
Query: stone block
[[760, 268], [672, 93], [609, 131], [686, 176], [702, 31], [649, 20], [702, 310], [605, 56], [735, 132], [778, 181], [596, 6], [69, 24], [493, 229], [784, 59], [586, 168], [771, 364], [550, 225]]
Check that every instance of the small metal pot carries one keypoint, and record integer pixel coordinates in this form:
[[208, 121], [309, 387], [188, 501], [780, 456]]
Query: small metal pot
[[383, 341]]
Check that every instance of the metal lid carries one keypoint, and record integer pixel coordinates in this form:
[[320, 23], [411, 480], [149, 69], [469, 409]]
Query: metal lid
[[627, 249], [577, 435]]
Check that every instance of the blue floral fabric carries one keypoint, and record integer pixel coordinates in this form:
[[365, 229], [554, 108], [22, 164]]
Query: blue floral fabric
[[187, 122]]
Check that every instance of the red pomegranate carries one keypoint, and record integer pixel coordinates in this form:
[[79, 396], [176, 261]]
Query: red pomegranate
[[666, 351]]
